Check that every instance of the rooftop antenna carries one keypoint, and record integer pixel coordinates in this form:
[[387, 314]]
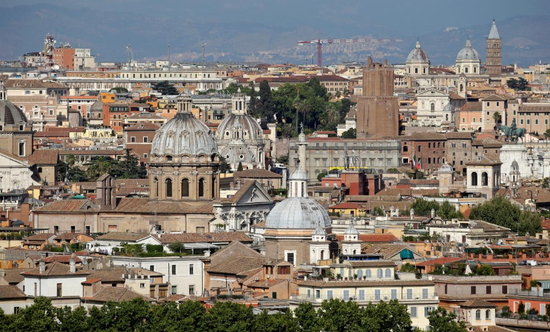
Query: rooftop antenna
[[203, 58]]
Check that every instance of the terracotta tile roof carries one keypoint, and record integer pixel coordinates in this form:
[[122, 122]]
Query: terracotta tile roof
[[55, 269], [122, 236], [459, 135], [11, 292], [13, 276], [472, 107], [32, 83], [92, 152], [204, 237], [386, 250], [115, 294], [65, 259], [39, 237], [44, 157], [441, 260], [114, 274], [144, 205], [238, 265], [66, 205], [379, 263], [265, 283], [144, 125], [477, 303], [72, 236], [257, 174], [345, 206]]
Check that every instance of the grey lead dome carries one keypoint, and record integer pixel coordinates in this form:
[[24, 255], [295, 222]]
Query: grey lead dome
[[11, 114], [298, 213], [184, 135], [468, 52], [418, 54]]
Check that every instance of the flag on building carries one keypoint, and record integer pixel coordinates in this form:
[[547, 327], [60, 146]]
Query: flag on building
[[419, 164], [413, 161]]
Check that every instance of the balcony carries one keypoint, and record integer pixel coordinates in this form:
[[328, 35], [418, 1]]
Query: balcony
[[415, 297]]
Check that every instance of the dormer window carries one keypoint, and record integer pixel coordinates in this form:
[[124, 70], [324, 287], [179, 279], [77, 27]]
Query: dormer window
[[21, 127], [168, 158]]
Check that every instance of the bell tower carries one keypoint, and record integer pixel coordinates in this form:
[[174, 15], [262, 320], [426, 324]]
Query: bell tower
[[494, 52]]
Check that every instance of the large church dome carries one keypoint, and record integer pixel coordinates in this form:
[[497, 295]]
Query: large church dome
[[11, 114], [242, 124], [468, 53], [418, 54], [184, 135]]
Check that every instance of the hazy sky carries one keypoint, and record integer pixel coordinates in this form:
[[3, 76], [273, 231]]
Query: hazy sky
[[414, 17]]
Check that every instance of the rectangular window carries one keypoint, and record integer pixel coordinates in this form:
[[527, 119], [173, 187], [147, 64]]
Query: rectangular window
[[377, 294], [409, 294], [317, 294], [394, 294], [427, 311], [542, 310], [425, 293], [151, 268], [473, 290], [361, 295], [174, 290], [290, 257], [346, 295], [504, 289], [413, 312], [527, 306], [191, 289], [21, 148], [488, 290], [59, 290], [329, 295], [191, 269], [173, 269]]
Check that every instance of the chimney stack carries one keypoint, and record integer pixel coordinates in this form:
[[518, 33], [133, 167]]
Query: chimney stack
[[72, 264], [41, 266]]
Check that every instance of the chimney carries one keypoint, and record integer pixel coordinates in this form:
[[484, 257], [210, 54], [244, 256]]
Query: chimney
[[72, 264], [2, 273], [41, 266]]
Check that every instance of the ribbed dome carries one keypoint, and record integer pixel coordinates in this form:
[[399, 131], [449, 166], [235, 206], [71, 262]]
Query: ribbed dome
[[244, 123], [418, 54], [468, 53], [351, 230], [298, 213], [11, 114], [97, 106], [184, 135], [298, 174]]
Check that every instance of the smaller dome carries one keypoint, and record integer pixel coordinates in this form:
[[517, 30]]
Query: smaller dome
[[515, 166], [298, 213], [446, 168], [97, 106], [449, 108], [468, 53], [11, 114], [351, 230], [299, 174], [319, 231], [418, 54]]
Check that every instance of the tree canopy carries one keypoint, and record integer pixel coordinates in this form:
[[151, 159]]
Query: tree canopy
[[138, 315], [519, 84], [444, 210], [165, 88], [500, 211]]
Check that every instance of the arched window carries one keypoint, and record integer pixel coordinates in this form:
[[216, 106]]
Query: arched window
[[184, 188], [484, 179], [368, 273], [379, 274], [466, 70], [488, 314], [474, 179], [478, 314], [322, 256], [388, 273], [168, 187], [432, 107], [201, 188], [213, 188], [156, 182], [416, 70], [360, 274]]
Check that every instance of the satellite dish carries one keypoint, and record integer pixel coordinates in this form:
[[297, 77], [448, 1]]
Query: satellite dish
[[55, 67]]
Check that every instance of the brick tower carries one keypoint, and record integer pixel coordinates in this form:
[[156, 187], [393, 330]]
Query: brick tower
[[377, 108], [494, 52]]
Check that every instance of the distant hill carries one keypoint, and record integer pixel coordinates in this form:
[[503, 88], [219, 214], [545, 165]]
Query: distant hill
[[107, 33]]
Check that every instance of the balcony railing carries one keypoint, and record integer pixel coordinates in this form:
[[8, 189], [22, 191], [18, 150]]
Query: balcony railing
[[368, 298]]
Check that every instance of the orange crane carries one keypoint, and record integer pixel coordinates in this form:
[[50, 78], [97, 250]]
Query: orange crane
[[320, 42]]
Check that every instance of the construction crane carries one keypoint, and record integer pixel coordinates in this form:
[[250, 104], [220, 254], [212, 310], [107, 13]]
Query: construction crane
[[320, 42]]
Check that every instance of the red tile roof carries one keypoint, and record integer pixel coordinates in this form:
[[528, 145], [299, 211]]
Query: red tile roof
[[370, 238], [441, 261]]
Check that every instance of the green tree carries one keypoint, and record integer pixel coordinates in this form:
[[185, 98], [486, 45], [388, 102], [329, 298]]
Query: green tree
[[519, 84], [443, 321], [41, 316], [253, 103], [229, 317], [521, 308], [306, 317], [497, 117], [350, 133], [378, 211], [408, 267], [119, 89], [129, 167], [423, 207], [321, 175], [337, 315], [266, 106], [500, 211], [447, 211], [387, 316], [265, 322], [165, 88], [72, 320], [224, 166], [240, 167], [176, 247]]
